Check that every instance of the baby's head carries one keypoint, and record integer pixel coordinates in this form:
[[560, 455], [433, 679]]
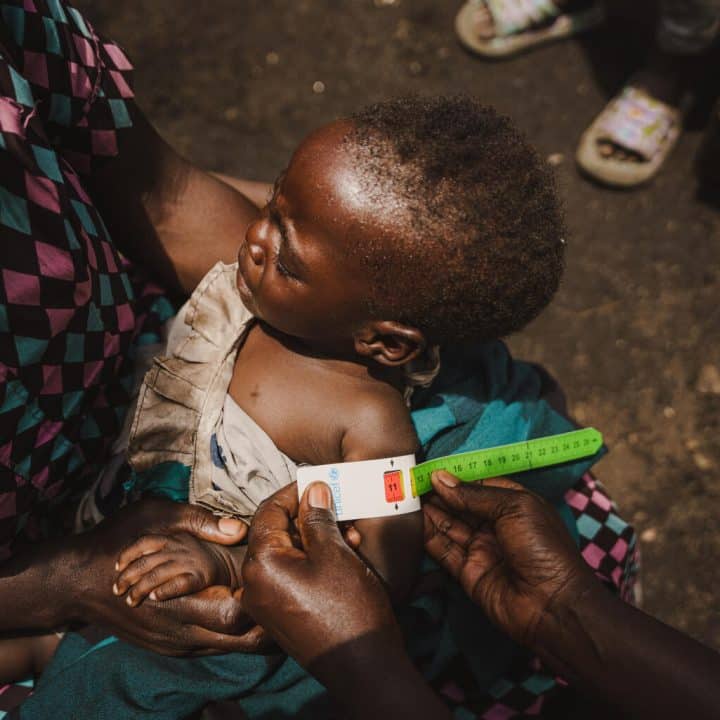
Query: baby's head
[[416, 221]]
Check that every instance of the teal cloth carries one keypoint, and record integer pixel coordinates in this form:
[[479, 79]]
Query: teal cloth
[[481, 398], [169, 479]]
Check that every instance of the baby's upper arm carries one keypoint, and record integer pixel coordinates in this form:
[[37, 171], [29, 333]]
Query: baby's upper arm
[[392, 545], [379, 426]]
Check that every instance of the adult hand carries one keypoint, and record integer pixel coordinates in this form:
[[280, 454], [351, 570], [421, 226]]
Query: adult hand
[[212, 621], [328, 610], [514, 557], [312, 593], [509, 550]]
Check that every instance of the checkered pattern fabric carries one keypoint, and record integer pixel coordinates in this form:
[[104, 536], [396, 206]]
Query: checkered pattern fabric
[[609, 546], [71, 307], [607, 542]]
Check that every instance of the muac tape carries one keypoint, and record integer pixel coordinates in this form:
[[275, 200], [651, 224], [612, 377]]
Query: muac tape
[[366, 489], [393, 486]]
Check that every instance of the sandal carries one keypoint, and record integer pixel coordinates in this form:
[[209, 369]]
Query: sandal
[[522, 24], [637, 123]]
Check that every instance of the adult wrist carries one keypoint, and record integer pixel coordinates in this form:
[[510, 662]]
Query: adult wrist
[[75, 579], [374, 675], [571, 634], [63, 581]]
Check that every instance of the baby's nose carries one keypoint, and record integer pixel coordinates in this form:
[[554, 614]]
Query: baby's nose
[[256, 252], [255, 241]]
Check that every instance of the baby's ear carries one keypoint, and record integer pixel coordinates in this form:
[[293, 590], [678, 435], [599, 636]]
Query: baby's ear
[[389, 342]]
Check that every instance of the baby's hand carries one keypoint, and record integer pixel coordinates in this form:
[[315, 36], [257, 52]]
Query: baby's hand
[[162, 567]]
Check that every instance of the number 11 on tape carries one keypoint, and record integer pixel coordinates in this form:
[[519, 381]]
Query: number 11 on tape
[[508, 459]]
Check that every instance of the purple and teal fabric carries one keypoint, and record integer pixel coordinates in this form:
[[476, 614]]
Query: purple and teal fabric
[[71, 307]]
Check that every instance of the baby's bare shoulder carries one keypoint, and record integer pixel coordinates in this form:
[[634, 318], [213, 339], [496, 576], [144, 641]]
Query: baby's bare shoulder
[[377, 424]]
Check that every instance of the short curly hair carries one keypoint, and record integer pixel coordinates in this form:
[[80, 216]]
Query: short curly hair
[[478, 227]]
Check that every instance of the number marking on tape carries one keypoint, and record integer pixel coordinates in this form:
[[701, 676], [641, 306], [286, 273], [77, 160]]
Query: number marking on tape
[[508, 459]]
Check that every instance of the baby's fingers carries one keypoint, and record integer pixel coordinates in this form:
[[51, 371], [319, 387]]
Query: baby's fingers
[[146, 545], [183, 584], [164, 574], [136, 570]]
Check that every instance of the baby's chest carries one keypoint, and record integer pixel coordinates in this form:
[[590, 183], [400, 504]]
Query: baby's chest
[[291, 403]]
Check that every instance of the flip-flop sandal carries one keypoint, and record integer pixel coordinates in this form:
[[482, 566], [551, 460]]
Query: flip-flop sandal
[[522, 24], [635, 122]]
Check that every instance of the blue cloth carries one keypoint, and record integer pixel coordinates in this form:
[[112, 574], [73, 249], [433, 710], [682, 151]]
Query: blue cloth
[[481, 398]]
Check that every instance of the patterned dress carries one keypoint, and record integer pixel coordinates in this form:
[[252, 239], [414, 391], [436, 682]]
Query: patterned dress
[[72, 309]]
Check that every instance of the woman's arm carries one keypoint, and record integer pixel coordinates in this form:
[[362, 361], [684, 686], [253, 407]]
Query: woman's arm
[[514, 557], [35, 588], [258, 193], [633, 662], [52, 584], [164, 212]]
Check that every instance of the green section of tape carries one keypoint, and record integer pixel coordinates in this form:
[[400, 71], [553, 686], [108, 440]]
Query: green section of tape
[[508, 459]]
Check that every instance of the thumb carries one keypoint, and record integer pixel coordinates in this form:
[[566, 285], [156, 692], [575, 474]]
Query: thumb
[[206, 526], [485, 500], [316, 519]]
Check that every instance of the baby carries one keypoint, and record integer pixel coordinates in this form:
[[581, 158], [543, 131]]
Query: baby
[[414, 222]]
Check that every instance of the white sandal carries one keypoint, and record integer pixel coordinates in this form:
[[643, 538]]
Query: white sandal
[[522, 24], [635, 122]]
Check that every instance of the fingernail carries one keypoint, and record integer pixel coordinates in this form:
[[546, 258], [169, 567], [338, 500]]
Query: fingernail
[[117, 566], [129, 601], [229, 526], [152, 595], [115, 589], [319, 496], [446, 478]]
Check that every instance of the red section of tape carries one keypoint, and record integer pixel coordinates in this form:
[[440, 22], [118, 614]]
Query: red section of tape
[[394, 488]]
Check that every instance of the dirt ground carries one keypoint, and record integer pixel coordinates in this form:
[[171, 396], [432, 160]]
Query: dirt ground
[[633, 334]]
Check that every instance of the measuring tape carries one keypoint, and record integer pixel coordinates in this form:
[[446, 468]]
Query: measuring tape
[[508, 459], [393, 486]]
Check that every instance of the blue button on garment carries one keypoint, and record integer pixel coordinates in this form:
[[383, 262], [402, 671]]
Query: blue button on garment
[[216, 452]]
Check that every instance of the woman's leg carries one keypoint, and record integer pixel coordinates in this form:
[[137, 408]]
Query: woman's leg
[[25, 657], [686, 29]]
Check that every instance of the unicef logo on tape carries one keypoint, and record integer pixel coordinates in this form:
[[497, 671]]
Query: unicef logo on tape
[[333, 474]]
